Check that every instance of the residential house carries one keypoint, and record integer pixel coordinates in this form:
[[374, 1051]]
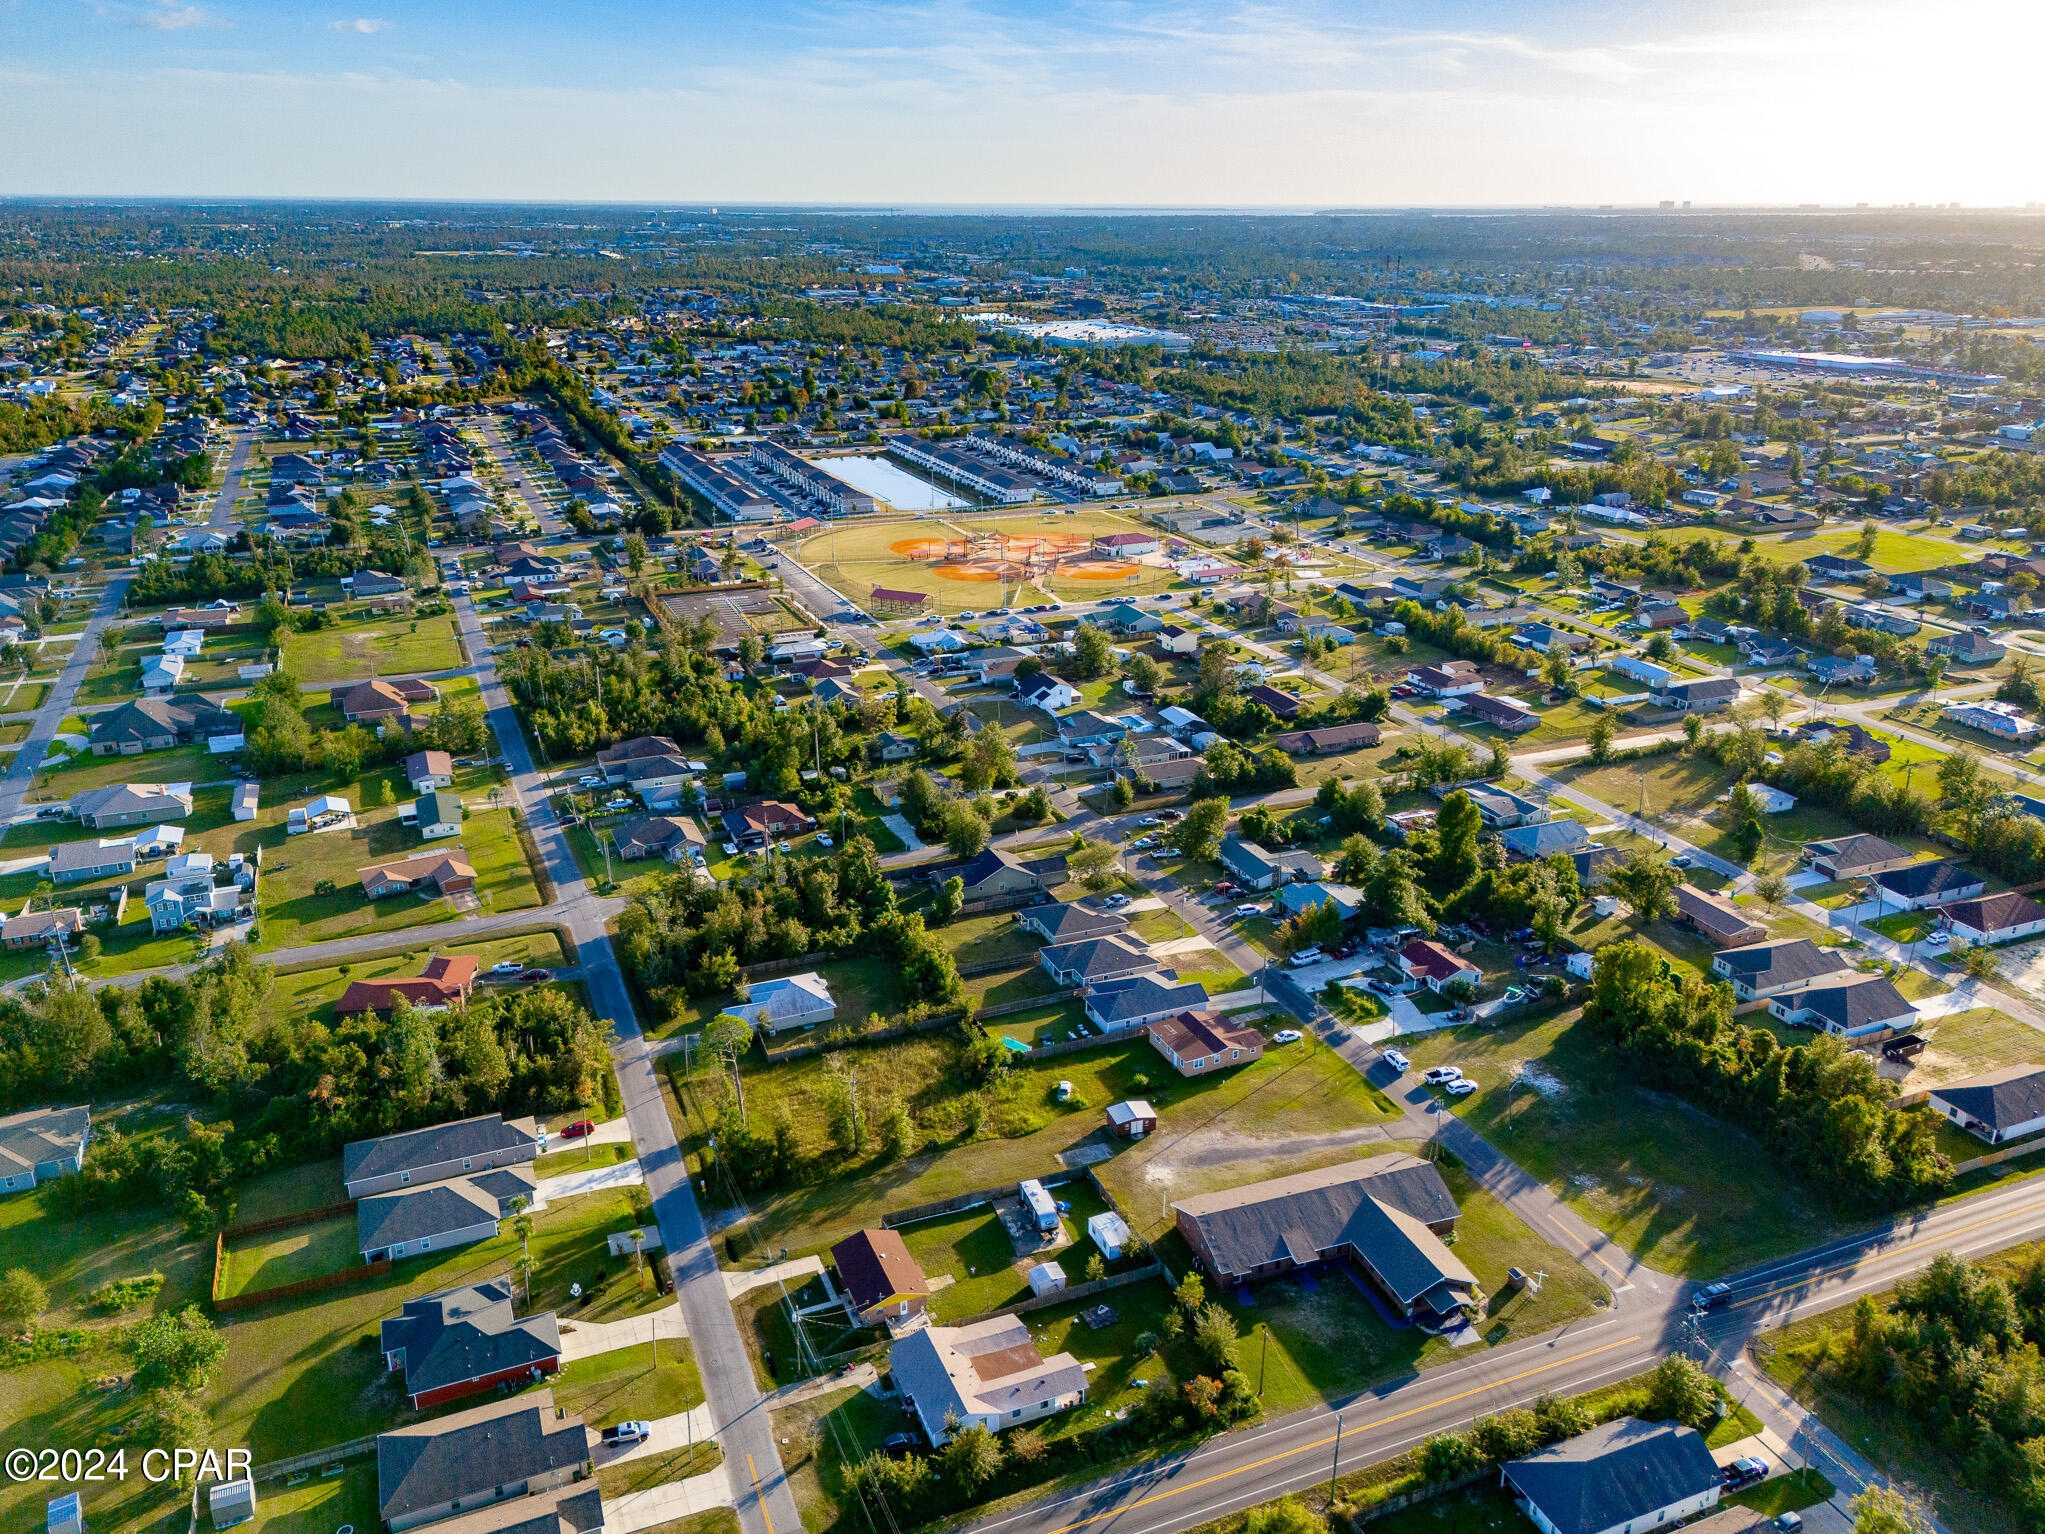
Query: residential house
[[1061, 922], [1997, 1106], [1500, 807], [1833, 567], [670, 837], [1849, 1007], [522, 1447], [1089, 961], [1705, 695], [1662, 615], [1917, 586], [1435, 966], [1047, 692], [1836, 670], [1854, 739], [384, 698], [1935, 882], [157, 724], [765, 820], [247, 801], [440, 1216], [1345, 898], [1087, 727], [131, 804], [1993, 718], [426, 770], [1134, 1001], [41, 929], [1283, 704], [996, 663], [881, 1281], [1758, 971], [424, 873], [983, 1374], [1332, 738], [1994, 918], [891, 747], [437, 1152], [1501, 713], [1174, 640], [792, 1001], [1717, 918], [1528, 843], [1859, 856], [94, 858], [1251, 865], [445, 980], [1200, 1043], [993, 874], [328, 812], [1384, 1216], [1621, 1477], [611, 762], [1450, 679], [41, 1143], [439, 814], [1544, 637], [1966, 648]]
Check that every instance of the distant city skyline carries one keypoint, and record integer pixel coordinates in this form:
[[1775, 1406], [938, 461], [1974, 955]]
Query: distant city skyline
[[1068, 103]]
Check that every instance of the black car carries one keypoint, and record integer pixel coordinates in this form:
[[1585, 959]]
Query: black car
[[1710, 1296], [898, 1446]]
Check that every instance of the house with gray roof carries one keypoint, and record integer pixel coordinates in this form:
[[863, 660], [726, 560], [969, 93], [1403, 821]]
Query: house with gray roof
[[1622, 1477], [1094, 959], [40, 1144], [157, 724], [1996, 1106], [1761, 970], [1261, 870], [1854, 857], [1545, 839], [96, 858], [1062, 922], [521, 1449], [1850, 1006], [1385, 1216], [793, 1001], [1501, 807], [439, 1216], [1135, 1000], [131, 804], [437, 1152], [984, 1374], [1933, 881]]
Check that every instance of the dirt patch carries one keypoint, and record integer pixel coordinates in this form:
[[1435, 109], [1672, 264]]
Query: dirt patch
[[1208, 1148], [1531, 1073]]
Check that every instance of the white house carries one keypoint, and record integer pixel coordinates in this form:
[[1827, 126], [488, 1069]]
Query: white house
[[1622, 1477], [793, 1001], [1996, 1106], [1849, 1007], [1994, 918], [985, 1374], [1047, 692], [1772, 800]]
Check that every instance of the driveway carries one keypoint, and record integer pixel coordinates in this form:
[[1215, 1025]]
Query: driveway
[[592, 1337], [620, 1174]]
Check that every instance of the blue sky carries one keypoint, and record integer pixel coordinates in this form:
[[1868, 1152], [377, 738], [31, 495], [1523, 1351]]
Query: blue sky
[[1082, 102]]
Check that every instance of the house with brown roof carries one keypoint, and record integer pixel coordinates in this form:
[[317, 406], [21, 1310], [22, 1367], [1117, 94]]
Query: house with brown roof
[[1999, 918], [446, 980], [879, 1277], [1200, 1043], [438, 873], [758, 823], [428, 770], [1338, 737], [382, 698], [1716, 917], [1436, 967]]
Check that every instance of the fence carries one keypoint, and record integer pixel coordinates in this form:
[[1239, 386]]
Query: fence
[[332, 1454], [922, 1025], [979, 1196], [347, 1278], [774, 967], [286, 1221], [1072, 1292], [1088, 1041], [1991, 1158], [1425, 1492]]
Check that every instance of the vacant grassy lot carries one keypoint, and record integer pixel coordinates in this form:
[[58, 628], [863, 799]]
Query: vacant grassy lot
[[1684, 1191], [972, 1249], [357, 648], [642, 1383], [1290, 1091], [287, 1256]]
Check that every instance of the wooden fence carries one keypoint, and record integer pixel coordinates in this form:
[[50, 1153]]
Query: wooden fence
[[318, 1458], [286, 1221], [922, 1025], [1072, 1292], [346, 1278]]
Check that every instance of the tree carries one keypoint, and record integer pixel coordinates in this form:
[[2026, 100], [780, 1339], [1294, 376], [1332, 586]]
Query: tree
[[972, 1458], [950, 896], [1602, 733], [1774, 705], [1661, 648], [1288, 1515], [1123, 793], [726, 1038], [1146, 673], [635, 551], [1772, 887], [1093, 652], [965, 833], [1198, 836], [1693, 730], [23, 1297], [1392, 895], [1555, 670], [1092, 863], [1646, 883], [1884, 1510], [1456, 830], [181, 1350], [1743, 815], [171, 1419], [1679, 1391], [893, 1128], [1962, 784]]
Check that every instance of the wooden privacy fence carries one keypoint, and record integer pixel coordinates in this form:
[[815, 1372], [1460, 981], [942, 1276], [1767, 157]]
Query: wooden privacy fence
[[346, 1278], [286, 1221], [333, 1454]]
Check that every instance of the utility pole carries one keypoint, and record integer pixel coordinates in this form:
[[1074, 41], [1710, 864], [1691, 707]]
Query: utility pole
[[1335, 1464]]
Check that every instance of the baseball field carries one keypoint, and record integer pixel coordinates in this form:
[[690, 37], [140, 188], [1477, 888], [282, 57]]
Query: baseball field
[[984, 561]]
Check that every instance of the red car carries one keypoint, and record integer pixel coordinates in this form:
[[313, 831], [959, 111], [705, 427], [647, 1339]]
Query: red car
[[578, 1129]]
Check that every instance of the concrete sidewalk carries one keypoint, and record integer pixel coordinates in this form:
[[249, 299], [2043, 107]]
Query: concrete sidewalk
[[656, 1505], [794, 1271], [592, 1337], [621, 1174]]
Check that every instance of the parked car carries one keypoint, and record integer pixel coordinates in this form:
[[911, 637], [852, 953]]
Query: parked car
[[1397, 1061], [1789, 1523], [1065, 1091], [589, 780], [1287, 1036], [578, 1129], [898, 1446], [1680, 860], [824, 839], [1442, 1073], [1244, 912], [509, 967], [1462, 1086], [1303, 958], [1744, 1471], [536, 976], [619, 1433], [1115, 902]]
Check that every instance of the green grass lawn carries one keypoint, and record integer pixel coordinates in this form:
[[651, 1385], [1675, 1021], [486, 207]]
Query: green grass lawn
[[1680, 1189], [282, 1257], [1286, 1092], [642, 1383], [309, 991], [356, 648], [322, 1505], [659, 1470], [1783, 1493], [973, 1250]]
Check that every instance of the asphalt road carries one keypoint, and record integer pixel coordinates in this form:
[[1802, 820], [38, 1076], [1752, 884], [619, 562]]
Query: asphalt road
[[15, 783]]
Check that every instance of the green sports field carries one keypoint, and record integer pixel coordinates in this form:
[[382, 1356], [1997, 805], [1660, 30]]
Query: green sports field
[[911, 555]]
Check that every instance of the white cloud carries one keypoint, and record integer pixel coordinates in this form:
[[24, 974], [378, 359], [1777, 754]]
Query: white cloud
[[363, 24], [166, 17]]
